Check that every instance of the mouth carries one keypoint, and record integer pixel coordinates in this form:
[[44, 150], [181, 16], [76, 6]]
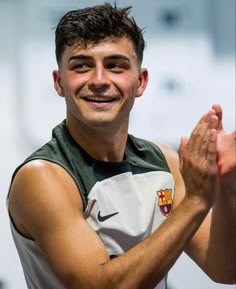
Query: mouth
[[100, 99]]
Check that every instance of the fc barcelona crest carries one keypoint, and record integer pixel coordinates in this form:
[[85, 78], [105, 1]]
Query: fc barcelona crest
[[165, 201]]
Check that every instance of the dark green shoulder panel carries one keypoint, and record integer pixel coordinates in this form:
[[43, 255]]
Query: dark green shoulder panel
[[145, 155], [64, 151]]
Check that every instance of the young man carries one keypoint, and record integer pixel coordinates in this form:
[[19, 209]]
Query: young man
[[92, 208]]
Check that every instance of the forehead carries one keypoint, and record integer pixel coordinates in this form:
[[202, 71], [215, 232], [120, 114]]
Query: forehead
[[107, 47]]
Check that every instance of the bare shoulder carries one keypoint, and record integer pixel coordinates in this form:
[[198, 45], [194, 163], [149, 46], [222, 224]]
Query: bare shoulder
[[40, 175], [39, 190]]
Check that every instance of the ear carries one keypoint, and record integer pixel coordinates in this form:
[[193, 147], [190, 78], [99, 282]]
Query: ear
[[143, 81], [57, 82]]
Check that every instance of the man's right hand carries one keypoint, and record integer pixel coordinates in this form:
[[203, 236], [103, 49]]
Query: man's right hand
[[198, 160]]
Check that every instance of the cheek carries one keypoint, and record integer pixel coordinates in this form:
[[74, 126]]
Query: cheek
[[71, 82], [127, 84], [71, 78]]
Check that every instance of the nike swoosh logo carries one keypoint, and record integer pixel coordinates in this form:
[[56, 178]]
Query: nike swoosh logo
[[106, 217]]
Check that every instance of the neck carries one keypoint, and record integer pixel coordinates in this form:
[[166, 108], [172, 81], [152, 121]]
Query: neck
[[104, 144]]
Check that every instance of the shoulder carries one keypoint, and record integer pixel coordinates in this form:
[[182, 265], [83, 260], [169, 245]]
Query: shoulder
[[172, 158], [163, 151], [146, 152], [155, 147], [39, 191], [170, 154], [37, 172], [41, 178]]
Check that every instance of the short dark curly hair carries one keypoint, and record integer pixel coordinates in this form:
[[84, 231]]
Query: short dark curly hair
[[91, 25]]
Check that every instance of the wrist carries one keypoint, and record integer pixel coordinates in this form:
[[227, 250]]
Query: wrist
[[227, 185], [197, 204]]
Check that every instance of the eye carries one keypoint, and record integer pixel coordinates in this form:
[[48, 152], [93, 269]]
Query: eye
[[81, 67], [114, 66], [117, 66]]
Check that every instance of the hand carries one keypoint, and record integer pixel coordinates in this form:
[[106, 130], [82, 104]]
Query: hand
[[198, 158], [226, 154]]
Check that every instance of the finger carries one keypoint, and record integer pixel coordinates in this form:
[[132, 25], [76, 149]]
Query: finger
[[200, 134], [214, 122], [207, 137], [212, 149], [195, 133], [218, 109]]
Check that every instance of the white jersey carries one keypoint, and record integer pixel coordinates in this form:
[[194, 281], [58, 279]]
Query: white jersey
[[124, 202]]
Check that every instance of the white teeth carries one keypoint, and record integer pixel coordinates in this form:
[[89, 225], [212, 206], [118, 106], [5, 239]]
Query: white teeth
[[99, 99]]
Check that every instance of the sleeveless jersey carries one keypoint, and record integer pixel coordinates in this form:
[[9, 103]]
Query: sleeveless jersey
[[124, 202]]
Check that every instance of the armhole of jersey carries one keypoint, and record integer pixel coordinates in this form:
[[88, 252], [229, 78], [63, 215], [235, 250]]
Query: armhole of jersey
[[163, 155]]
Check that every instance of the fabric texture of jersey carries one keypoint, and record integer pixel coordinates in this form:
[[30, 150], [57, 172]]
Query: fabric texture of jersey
[[123, 201]]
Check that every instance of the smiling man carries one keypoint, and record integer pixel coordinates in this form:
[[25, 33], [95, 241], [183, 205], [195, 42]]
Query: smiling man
[[104, 93], [97, 208]]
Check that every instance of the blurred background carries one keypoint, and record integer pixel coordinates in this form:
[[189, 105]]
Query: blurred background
[[190, 55]]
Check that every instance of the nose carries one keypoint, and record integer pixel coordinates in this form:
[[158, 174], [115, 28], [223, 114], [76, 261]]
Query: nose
[[99, 79]]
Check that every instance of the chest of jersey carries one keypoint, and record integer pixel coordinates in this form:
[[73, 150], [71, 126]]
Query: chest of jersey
[[125, 209]]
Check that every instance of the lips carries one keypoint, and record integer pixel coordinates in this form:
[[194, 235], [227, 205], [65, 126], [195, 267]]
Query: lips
[[99, 99]]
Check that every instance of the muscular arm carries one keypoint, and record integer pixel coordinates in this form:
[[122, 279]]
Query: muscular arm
[[45, 205], [51, 213]]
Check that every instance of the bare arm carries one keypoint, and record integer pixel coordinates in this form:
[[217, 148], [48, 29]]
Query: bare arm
[[213, 246], [52, 214]]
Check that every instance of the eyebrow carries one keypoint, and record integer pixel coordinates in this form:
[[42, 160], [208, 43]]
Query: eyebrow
[[86, 57]]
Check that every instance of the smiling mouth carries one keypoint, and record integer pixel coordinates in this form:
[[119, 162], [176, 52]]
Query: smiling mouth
[[99, 99]]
